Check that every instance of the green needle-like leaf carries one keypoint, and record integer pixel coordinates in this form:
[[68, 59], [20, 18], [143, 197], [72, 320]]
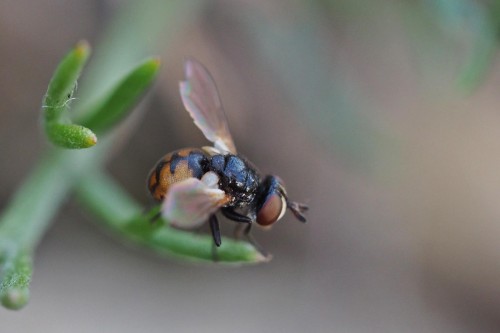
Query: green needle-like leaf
[[71, 136], [63, 81], [57, 99], [122, 215], [119, 101], [14, 287]]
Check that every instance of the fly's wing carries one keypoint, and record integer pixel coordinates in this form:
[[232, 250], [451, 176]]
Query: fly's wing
[[201, 99], [189, 203]]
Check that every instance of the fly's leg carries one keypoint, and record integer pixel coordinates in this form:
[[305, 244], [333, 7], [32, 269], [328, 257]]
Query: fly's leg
[[242, 230], [155, 218], [243, 227], [214, 228], [235, 216]]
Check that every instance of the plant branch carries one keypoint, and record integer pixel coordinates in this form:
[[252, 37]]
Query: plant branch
[[124, 217], [28, 216]]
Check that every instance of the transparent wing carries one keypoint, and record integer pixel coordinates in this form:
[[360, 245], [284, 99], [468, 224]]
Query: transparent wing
[[201, 99], [190, 203]]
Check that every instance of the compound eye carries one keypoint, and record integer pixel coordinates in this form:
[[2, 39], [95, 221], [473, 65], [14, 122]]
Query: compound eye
[[272, 210]]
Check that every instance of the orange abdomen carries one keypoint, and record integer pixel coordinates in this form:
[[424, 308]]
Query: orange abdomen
[[174, 167]]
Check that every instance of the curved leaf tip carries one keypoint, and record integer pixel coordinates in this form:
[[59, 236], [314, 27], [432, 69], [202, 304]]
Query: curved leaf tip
[[82, 49], [15, 299]]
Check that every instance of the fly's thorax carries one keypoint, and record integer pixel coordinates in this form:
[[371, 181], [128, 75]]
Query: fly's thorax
[[238, 178]]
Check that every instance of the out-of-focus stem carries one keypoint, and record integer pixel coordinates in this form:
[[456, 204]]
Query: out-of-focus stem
[[28, 216]]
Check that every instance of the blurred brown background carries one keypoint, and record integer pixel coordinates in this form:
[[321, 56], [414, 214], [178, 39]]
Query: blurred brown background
[[383, 115]]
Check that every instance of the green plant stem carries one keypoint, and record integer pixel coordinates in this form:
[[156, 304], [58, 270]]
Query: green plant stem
[[123, 216], [28, 216]]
